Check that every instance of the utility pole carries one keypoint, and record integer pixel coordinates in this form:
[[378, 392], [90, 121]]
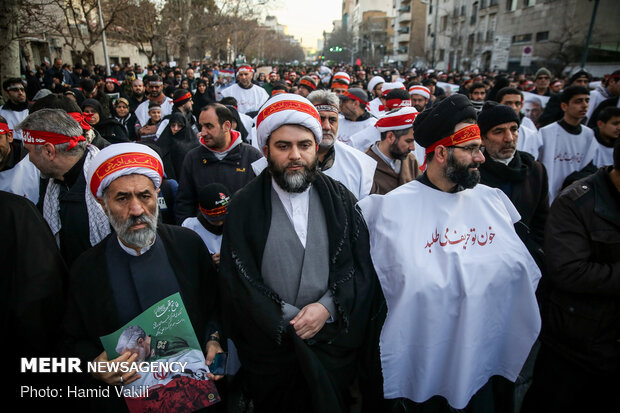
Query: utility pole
[[435, 31], [584, 55], [103, 40]]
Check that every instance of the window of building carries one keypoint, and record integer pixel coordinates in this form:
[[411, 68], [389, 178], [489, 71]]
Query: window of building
[[511, 5], [442, 53], [444, 23], [529, 3], [542, 36], [522, 38]]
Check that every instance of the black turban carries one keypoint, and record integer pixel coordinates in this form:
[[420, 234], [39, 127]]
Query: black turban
[[438, 122]]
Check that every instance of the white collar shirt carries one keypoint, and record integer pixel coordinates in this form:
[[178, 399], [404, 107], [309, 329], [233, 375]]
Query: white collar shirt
[[296, 206]]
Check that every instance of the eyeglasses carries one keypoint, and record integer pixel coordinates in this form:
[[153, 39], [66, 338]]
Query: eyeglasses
[[473, 150]]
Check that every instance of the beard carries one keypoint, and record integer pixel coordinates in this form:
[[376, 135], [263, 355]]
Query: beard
[[137, 237], [294, 181], [329, 142], [461, 175], [396, 153]]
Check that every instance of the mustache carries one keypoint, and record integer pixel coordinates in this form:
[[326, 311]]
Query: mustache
[[297, 163], [140, 219]]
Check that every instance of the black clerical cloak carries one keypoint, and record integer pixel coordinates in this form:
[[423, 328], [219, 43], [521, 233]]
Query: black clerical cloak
[[92, 313], [285, 373]]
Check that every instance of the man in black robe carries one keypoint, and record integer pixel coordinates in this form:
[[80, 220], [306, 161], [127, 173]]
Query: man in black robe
[[134, 268], [33, 281], [301, 302]]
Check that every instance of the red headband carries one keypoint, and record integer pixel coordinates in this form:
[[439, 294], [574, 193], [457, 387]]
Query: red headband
[[122, 161], [308, 83], [38, 137], [338, 85], [288, 105], [397, 103], [277, 91], [4, 128], [466, 134], [389, 122], [184, 97], [111, 79], [352, 96], [82, 119]]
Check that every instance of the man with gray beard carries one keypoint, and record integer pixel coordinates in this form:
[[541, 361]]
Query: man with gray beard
[[298, 288], [140, 264], [352, 168], [57, 147]]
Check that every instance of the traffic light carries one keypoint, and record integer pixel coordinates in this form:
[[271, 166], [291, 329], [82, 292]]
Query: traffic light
[[335, 49]]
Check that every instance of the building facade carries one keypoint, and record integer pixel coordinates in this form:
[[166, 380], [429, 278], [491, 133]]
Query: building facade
[[519, 35]]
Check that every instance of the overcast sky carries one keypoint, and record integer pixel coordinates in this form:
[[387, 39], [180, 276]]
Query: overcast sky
[[306, 20]]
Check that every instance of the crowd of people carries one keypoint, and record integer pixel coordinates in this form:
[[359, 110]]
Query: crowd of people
[[358, 239]]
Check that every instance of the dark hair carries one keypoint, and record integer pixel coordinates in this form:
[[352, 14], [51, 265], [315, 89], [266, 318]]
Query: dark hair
[[398, 94], [55, 101], [229, 100], [222, 112], [428, 81], [507, 91], [2, 119], [476, 85], [572, 91], [608, 113], [617, 155], [11, 81], [87, 85], [398, 133]]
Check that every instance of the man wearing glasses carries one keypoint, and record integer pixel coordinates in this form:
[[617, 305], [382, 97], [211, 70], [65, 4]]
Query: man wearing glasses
[[454, 272], [16, 107], [542, 80]]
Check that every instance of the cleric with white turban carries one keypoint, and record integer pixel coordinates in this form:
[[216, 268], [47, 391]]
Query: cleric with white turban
[[123, 159], [285, 109]]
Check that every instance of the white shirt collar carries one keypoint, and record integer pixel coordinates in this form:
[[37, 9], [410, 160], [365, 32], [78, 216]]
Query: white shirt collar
[[133, 252], [296, 206]]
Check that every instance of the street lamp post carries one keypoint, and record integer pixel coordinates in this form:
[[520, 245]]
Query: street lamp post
[[584, 55], [103, 41], [435, 32]]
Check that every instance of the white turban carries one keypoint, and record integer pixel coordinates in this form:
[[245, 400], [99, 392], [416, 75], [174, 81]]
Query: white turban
[[420, 90], [287, 109], [122, 159], [385, 89], [374, 82]]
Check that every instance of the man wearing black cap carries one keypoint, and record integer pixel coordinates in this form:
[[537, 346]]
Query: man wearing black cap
[[523, 179], [355, 117], [209, 223], [553, 111], [471, 319]]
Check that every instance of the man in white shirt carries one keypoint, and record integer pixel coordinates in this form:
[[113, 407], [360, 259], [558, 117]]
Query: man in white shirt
[[250, 97], [567, 145], [458, 282]]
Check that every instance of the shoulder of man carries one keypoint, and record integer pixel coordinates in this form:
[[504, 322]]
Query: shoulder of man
[[581, 190], [251, 151]]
